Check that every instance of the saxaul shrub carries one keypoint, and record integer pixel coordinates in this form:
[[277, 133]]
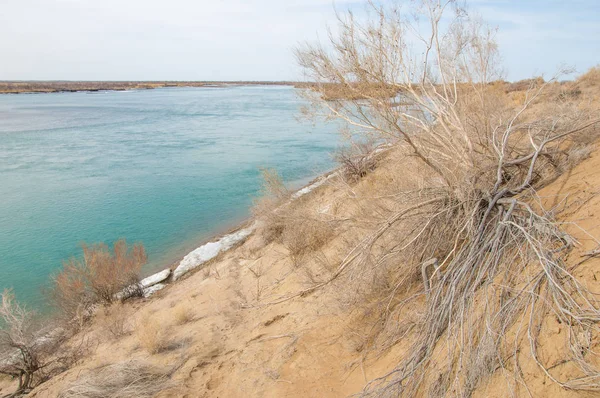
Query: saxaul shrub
[[483, 154]]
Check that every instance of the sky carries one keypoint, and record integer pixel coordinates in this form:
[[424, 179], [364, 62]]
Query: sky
[[249, 39]]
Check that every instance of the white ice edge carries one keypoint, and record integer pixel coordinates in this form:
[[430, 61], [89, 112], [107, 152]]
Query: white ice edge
[[146, 284], [210, 250], [155, 278], [312, 186]]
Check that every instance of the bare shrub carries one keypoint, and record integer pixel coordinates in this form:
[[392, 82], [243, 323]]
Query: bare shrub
[[273, 228], [483, 156], [152, 335], [357, 159], [97, 278], [30, 351], [273, 195], [286, 221], [20, 349], [121, 380]]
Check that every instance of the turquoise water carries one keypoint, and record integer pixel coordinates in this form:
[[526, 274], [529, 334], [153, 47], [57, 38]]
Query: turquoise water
[[166, 167]]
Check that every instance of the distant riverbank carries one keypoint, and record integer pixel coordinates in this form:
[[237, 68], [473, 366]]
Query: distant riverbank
[[32, 87]]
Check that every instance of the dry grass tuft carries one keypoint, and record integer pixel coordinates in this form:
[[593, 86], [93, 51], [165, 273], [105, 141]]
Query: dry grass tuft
[[152, 334], [591, 77], [273, 227], [121, 380], [288, 221], [304, 236], [182, 313], [272, 194], [115, 320]]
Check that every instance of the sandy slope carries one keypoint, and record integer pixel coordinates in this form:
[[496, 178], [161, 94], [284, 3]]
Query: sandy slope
[[239, 345], [575, 198]]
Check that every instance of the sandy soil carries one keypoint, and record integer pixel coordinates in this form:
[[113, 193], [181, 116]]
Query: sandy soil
[[237, 343]]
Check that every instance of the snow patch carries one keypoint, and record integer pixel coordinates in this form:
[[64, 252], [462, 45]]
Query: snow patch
[[155, 278], [153, 289], [209, 251], [313, 186]]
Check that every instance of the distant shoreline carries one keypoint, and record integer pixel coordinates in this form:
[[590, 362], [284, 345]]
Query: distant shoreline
[[43, 87]]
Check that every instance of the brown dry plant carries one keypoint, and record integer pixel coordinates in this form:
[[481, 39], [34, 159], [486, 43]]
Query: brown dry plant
[[99, 277], [182, 313], [120, 380], [152, 334], [116, 320], [31, 351]]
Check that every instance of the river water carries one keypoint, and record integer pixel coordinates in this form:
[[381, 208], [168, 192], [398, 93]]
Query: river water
[[166, 167]]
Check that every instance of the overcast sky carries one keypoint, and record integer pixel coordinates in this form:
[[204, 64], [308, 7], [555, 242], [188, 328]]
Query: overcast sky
[[247, 40]]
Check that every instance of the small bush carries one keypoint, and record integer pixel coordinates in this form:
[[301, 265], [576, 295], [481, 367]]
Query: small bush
[[357, 160], [97, 278], [273, 228], [121, 380], [152, 335], [272, 193], [30, 352]]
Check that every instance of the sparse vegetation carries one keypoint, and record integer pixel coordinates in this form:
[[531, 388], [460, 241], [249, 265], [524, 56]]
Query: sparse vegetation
[[30, 352], [152, 335], [97, 278], [116, 320], [120, 380], [287, 222], [304, 236], [444, 245]]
